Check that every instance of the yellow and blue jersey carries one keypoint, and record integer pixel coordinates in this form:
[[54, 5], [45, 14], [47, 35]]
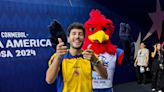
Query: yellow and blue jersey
[[75, 74]]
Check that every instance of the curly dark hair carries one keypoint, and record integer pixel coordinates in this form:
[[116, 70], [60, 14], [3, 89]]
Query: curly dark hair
[[75, 25]]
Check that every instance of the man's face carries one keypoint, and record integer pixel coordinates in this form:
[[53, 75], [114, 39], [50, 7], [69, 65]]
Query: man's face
[[76, 38]]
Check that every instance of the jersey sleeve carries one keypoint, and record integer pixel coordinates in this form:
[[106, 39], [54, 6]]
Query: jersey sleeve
[[51, 59]]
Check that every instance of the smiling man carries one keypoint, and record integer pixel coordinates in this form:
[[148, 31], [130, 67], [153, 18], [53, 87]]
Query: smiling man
[[72, 68]]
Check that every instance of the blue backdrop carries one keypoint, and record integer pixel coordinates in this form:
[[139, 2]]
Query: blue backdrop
[[23, 60]]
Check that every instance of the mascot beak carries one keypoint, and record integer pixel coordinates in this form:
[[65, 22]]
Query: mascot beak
[[99, 36]]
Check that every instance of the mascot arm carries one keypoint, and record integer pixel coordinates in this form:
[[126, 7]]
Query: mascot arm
[[120, 56]]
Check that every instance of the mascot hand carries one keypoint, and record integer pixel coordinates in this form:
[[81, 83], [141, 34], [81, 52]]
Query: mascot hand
[[56, 31], [127, 41]]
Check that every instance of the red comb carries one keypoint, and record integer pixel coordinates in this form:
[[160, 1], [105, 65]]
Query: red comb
[[96, 13]]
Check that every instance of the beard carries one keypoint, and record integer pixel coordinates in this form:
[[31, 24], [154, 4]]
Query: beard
[[76, 47]]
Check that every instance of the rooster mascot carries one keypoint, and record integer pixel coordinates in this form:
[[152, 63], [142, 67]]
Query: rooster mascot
[[99, 31]]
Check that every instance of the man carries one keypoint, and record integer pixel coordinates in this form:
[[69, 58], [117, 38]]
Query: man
[[141, 63], [72, 68]]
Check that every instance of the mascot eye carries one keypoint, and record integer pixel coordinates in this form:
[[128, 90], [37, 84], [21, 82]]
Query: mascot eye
[[92, 29], [104, 28]]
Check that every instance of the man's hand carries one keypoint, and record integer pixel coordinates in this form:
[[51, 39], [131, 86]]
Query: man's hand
[[89, 54], [60, 48], [98, 67]]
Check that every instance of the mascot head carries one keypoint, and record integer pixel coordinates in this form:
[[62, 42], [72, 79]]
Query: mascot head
[[99, 30]]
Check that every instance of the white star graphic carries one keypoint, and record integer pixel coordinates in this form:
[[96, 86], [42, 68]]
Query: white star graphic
[[137, 45], [157, 18]]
